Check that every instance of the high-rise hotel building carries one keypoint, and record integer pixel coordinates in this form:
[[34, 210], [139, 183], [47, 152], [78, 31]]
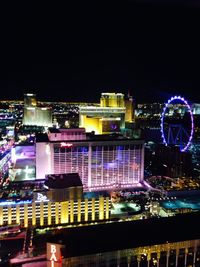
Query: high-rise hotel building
[[110, 116], [34, 115], [103, 162]]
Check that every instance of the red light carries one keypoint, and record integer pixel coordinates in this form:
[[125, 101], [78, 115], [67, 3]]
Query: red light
[[63, 144]]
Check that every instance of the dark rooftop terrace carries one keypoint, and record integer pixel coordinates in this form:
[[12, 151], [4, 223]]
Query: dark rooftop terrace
[[61, 181]]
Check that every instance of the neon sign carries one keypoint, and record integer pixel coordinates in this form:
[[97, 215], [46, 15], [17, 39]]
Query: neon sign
[[63, 144], [53, 255], [41, 197]]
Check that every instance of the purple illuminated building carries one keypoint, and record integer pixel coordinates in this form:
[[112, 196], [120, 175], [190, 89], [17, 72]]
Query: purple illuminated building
[[102, 161]]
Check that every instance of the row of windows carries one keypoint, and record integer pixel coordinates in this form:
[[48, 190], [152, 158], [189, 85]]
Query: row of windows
[[46, 207], [58, 219], [69, 210], [107, 167], [51, 207], [85, 149]]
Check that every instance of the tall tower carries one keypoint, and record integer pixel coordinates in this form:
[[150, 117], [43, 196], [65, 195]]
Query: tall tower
[[30, 100], [129, 116], [112, 100], [33, 115]]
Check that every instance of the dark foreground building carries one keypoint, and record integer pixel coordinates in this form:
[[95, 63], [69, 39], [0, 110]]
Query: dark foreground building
[[171, 162], [125, 244]]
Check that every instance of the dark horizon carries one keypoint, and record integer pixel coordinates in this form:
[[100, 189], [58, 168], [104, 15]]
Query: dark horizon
[[147, 48]]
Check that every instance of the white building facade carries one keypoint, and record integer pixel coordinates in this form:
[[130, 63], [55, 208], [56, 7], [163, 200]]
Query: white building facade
[[101, 164]]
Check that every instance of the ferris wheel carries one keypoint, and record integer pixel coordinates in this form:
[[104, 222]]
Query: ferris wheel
[[177, 123]]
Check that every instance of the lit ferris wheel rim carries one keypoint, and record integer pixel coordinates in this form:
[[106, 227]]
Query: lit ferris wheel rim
[[191, 117]]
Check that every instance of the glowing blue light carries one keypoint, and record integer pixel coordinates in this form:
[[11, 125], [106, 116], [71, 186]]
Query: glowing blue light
[[8, 203], [191, 116]]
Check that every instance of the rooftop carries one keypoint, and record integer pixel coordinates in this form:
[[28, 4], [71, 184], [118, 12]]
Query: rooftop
[[61, 181], [108, 137], [122, 235], [90, 137], [53, 130], [42, 137]]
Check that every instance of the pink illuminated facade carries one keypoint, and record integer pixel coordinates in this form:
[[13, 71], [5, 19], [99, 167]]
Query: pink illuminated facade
[[101, 164]]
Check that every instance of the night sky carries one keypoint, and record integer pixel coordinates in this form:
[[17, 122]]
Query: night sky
[[76, 52]]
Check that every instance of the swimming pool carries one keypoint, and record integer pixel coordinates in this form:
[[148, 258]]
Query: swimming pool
[[189, 203]]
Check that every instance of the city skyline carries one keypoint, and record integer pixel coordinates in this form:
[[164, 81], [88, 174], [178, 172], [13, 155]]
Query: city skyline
[[148, 49], [99, 134]]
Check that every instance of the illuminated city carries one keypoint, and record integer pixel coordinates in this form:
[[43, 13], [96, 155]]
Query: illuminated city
[[56, 177], [100, 135]]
